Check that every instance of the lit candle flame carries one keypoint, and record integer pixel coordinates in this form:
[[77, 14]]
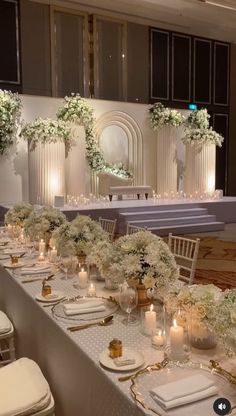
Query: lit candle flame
[[151, 307], [175, 323]]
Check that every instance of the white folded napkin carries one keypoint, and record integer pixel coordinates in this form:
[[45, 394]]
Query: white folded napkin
[[35, 270], [12, 251], [181, 392], [84, 307]]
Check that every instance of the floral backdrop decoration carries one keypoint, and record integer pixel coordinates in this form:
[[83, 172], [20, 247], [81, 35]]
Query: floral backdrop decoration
[[161, 116], [197, 130], [10, 112], [18, 214], [46, 131], [77, 110], [79, 236]]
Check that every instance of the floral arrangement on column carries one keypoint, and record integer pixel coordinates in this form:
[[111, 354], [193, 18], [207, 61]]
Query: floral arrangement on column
[[18, 214], [197, 130], [140, 258], [10, 112], [46, 131], [79, 236], [161, 116], [42, 222], [77, 110]]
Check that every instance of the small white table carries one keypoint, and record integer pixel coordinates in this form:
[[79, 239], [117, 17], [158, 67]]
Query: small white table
[[130, 190]]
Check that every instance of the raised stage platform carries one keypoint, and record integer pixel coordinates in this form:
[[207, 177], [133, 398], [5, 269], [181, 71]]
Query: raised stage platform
[[180, 216]]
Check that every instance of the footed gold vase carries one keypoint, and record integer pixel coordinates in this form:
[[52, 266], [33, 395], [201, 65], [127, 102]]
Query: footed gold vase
[[143, 299]]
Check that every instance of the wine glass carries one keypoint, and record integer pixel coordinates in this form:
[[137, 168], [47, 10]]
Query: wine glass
[[128, 299]]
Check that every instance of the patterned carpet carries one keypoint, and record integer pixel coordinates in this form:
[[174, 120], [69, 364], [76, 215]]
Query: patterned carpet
[[216, 262]]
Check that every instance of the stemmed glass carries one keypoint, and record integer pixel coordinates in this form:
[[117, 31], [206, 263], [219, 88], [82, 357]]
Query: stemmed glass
[[128, 299]]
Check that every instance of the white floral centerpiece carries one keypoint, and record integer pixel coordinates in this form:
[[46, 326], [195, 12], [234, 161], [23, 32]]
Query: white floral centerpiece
[[197, 130], [76, 110], [143, 258], [223, 320], [10, 111], [79, 236], [18, 214], [102, 255], [161, 116], [46, 131], [42, 222], [196, 303]]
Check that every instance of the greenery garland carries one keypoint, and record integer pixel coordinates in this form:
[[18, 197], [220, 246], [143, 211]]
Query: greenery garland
[[10, 111], [77, 110]]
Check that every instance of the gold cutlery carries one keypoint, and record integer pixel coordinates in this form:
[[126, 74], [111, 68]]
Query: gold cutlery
[[160, 365], [38, 279], [103, 322]]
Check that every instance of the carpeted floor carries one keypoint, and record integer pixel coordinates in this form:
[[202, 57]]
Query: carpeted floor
[[216, 262]]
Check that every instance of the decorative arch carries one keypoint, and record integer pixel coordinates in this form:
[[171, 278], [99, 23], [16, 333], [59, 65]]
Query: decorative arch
[[135, 141]]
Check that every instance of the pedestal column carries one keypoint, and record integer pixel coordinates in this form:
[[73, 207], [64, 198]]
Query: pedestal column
[[46, 173], [200, 168], [167, 160]]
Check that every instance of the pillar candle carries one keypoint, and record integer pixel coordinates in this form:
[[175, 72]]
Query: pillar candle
[[176, 341], [91, 290], [41, 246], [53, 255], [83, 279], [150, 321]]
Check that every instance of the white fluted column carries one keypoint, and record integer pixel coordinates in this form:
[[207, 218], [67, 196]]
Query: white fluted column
[[200, 163], [46, 173], [76, 164], [167, 160]]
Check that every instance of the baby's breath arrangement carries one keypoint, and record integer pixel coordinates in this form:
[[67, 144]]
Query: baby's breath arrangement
[[45, 131], [42, 222], [10, 111], [18, 214], [75, 109], [161, 116]]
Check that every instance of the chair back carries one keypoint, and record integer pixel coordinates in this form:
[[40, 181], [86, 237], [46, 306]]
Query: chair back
[[109, 226], [185, 251], [131, 229]]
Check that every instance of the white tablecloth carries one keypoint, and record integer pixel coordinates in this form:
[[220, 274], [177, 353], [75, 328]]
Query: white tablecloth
[[69, 361]]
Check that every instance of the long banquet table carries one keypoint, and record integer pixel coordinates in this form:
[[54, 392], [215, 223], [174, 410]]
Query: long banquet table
[[70, 361]]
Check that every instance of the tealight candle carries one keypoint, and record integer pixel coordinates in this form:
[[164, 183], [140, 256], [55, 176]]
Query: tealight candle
[[53, 255], [41, 257], [91, 290], [158, 340], [83, 279], [41, 246], [150, 321], [176, 341]]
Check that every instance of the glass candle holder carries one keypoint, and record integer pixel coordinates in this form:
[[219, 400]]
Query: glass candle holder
[[152, 319], [177, 336]]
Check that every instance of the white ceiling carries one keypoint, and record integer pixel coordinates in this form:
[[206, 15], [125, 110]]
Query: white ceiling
[[192, 16]]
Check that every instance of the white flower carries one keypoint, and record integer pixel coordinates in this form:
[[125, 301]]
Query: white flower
[[161, 116], [43, 221], [10, 111], [18, 214]]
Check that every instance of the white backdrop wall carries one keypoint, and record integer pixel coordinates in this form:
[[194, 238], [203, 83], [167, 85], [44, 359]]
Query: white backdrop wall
[[131, 120]]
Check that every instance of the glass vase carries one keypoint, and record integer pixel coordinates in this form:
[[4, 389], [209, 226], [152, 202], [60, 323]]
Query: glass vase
[[177, 336]]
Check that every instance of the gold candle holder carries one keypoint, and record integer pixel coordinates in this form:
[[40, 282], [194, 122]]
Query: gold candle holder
[[14, 259]]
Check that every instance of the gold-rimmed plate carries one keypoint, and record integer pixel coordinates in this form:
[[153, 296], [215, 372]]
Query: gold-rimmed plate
[[145, 381], [10, 265]]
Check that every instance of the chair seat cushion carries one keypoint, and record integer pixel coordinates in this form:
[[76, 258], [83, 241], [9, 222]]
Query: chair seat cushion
[[5, 323], [23, 388]]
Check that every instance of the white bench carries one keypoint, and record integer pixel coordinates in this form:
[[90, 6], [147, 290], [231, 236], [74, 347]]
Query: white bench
[[130, 190]]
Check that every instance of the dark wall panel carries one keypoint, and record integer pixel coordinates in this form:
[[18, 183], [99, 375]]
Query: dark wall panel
[[220, 124], [159, 64], [221, 74], [202, 70], [181, 67], [9, 43]]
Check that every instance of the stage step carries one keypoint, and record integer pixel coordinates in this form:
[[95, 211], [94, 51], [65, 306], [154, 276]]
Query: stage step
[[174, 213], [188, 228], [165, 222]]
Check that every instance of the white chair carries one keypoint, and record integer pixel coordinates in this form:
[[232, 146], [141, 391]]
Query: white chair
[[7, 345], [109, 226], [24, 390], [132, 229], [185, 251]]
